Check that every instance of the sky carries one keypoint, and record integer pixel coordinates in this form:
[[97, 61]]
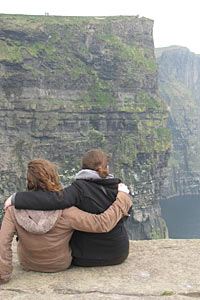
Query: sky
[[176, 22]]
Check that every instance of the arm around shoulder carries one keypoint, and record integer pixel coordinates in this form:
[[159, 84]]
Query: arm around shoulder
[[104, 222], [46, 200]]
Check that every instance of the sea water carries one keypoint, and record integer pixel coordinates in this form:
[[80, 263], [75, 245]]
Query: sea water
[[182, 216]]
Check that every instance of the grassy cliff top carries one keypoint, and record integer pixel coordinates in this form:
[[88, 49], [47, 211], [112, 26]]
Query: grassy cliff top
[[32, 21], [159, 51]]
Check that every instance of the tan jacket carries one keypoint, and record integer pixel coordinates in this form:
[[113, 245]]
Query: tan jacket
[[44, 236]]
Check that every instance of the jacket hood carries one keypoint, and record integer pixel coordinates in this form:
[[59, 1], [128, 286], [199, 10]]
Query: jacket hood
[[89, 174], [36, 221]]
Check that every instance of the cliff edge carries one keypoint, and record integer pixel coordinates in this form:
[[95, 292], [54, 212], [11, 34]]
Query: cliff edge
[[154, 269]]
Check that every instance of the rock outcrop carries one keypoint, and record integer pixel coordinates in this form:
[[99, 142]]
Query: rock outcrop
[[68, 84], [179, 85], [153, 270]]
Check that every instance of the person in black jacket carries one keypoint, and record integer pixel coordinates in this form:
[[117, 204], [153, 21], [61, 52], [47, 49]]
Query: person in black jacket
[[93, 191]]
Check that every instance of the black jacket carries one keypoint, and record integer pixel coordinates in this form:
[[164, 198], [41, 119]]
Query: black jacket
[[93, 196]]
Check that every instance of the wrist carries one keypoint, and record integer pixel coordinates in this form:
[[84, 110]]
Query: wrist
[[13, 199]]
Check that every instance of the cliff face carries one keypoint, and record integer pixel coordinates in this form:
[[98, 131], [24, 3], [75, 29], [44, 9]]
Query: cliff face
[[68, 84], [179, 84]]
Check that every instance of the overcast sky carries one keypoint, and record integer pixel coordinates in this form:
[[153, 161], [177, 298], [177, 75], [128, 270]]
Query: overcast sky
[[176, 22]]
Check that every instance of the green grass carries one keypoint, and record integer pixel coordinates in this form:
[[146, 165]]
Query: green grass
[[167, 293]]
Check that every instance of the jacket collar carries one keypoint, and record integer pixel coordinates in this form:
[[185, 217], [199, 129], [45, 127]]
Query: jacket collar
[[89, 174]]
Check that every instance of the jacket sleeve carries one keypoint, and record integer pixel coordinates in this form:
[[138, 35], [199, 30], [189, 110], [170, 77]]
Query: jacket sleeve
[[6, 237], [103, 222], [48, 200]]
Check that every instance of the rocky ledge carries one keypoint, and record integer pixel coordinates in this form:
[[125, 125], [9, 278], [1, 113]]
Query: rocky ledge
[[154, 269]]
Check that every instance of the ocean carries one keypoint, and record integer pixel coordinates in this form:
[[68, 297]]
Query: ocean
[[182, 216]]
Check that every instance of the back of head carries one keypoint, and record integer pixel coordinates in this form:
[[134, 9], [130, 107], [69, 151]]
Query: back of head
[[42, 175], [96, 160]]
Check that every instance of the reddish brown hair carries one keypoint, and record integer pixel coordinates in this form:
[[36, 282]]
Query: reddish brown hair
[[96, 160], [42, 175]]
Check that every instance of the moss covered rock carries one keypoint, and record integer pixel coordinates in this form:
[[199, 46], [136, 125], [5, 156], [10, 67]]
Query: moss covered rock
[[68, 84]]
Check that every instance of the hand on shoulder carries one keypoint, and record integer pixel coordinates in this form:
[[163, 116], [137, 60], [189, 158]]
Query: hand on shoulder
[[8, 203], [123, 188]]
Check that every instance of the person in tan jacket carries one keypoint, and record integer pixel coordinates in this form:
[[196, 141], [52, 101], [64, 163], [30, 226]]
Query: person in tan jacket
[[43, 236]]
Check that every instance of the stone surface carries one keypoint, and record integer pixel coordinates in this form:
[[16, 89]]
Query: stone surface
[[152, 270]]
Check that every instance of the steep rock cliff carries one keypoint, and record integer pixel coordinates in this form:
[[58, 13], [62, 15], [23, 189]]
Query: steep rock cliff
[[179, 84], [68, 84]]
